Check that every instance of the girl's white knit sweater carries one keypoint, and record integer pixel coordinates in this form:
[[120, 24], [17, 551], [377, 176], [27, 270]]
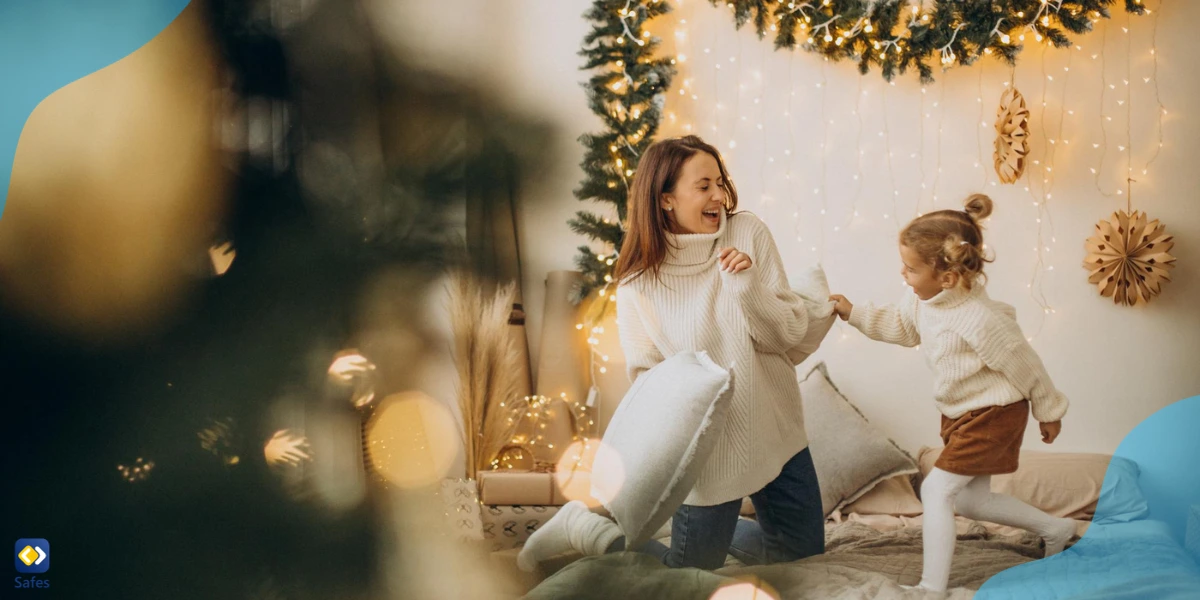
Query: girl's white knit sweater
[[746, 322], [977, 352]]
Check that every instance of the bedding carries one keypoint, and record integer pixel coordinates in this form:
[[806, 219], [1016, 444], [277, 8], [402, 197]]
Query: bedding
[[1116, 561], [859, 563]]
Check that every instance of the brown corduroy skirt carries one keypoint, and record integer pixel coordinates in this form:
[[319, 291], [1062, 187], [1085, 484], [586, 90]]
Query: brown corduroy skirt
[[985, 441]]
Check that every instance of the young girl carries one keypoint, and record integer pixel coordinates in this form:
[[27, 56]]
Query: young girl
[[695, 276], [986, 380]]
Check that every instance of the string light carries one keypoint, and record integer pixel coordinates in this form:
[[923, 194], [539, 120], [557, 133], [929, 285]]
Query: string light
[[138, 471], [539, 411], [922, 117], [946, 52], [858, 176], [1162, 111], [888, 148], [979, 163], [1104, 88], [824, 155], [937, 178]]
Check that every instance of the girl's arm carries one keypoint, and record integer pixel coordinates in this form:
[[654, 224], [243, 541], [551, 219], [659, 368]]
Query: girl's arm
[[891, 323], [1003, 348], [640, 352], [775, 314]]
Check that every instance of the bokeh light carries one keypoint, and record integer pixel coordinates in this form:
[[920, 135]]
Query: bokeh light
[[412, 440]]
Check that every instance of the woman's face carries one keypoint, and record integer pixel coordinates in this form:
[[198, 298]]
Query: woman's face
[[699, 197]]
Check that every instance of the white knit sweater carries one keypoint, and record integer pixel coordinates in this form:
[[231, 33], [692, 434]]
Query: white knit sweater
[[977, 352], [746, 322]]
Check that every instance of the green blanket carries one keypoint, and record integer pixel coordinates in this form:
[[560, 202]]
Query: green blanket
[[628, 575]]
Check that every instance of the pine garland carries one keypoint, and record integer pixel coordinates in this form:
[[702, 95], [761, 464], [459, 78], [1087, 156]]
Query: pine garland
[[898, 35], [629, 88], [628, 95]]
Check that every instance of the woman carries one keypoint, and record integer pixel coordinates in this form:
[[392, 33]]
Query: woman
[[695, 276]]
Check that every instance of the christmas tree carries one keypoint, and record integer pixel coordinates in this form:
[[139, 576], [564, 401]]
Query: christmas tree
[[627, 94]]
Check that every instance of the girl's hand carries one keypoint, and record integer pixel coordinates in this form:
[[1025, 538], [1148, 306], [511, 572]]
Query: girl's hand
[[1050, 431], [843, 306], [733, 261]]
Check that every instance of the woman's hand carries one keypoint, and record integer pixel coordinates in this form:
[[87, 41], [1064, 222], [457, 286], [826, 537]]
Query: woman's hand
[[1050, 431], [843, 306], [733, 261]]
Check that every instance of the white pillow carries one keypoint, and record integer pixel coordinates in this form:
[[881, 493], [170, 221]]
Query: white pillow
[[658, 442], [812, 286], [850, 455]]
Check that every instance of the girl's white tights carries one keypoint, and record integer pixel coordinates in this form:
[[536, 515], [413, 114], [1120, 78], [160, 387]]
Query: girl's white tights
[[943, 494]]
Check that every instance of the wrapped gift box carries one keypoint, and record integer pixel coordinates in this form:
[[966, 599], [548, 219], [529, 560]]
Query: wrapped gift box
[[506, 527], [460, 503], [533, 488]]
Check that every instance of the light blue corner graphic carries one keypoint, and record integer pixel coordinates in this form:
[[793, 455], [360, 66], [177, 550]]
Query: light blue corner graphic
[[47, 44], [1144, 541]]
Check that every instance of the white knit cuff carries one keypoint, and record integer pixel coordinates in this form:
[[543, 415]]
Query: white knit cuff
[[857, 314], [742, 282], [1050, 410]]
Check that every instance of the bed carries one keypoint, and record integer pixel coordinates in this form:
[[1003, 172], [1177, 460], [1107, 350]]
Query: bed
[[1132, 542], [1139, 559], [860, 561]]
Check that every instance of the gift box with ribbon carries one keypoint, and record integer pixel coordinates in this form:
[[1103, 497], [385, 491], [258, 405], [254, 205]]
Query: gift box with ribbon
[[533, 488]]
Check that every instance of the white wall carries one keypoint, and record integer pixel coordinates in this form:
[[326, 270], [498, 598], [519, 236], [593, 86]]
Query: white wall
[[1117, 364]]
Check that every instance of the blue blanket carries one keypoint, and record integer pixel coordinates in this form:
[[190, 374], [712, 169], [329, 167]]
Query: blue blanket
[[1139, 559]]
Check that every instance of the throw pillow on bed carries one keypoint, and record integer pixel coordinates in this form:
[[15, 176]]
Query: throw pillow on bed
[[894, 496], [658, 441], [850, 454]]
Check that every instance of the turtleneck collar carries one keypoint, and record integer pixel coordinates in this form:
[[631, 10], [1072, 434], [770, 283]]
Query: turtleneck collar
[[955, 296], [693, 249]]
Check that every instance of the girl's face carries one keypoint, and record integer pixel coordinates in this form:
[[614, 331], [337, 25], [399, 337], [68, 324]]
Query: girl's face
[[699, 197], [925, 280]]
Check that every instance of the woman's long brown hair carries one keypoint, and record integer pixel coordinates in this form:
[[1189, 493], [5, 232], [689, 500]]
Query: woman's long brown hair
[[645, 245]]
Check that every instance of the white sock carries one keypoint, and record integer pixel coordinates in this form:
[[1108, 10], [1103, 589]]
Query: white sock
[[921, 589], [977, 501], [574, 527], [938, 535]]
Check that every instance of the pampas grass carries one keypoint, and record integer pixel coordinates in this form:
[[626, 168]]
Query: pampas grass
[[487, 358]]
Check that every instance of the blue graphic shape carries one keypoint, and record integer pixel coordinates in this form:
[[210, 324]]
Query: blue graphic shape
[[47, 44], [1144, 541]]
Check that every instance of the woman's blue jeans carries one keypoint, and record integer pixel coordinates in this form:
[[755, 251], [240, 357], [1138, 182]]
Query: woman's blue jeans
[[790, 525]]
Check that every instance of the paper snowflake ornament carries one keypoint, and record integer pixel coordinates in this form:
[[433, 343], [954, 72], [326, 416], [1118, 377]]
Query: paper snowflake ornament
[[1129, 258], [1012, 136]]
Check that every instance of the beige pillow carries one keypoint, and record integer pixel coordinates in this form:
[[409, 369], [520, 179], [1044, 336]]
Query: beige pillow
[[1061, 484], [850, 454], [894, 496]]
